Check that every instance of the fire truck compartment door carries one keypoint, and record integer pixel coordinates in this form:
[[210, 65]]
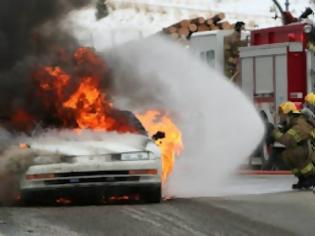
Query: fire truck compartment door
[[264, 69], [264, 75]]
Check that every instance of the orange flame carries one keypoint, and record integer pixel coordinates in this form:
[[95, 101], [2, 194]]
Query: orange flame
[[61, 79], [171, 145], [22, 120], [52, 83], [76, 99], [120, 198], [90, 106], [63, 201], [24, 146]]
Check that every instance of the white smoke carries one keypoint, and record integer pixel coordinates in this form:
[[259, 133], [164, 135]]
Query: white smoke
[[220, 126], [85, 142]]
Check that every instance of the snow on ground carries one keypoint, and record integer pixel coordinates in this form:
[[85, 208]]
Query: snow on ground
[[133, 19]]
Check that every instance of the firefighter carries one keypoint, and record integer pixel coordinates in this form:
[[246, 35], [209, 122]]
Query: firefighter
[[309, 105], [309, 113], [309, 108], [295, 135], [232, 43]]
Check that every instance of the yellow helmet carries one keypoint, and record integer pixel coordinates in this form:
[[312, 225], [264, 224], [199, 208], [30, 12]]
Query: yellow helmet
[[310, 99], [288, 107]]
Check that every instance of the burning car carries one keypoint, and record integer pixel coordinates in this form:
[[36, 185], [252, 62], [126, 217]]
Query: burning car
[[72, 95], [113, 165]]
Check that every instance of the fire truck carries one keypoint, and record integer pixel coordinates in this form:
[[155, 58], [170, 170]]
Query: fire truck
[[278, 65]]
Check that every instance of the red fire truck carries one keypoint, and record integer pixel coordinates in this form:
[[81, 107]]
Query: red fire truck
[[278, 65]]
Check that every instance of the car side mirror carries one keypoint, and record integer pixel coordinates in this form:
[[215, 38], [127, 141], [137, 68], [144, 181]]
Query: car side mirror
[[158, 135]]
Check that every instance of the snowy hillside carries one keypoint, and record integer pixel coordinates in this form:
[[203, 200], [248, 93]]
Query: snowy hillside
[[132, 19]]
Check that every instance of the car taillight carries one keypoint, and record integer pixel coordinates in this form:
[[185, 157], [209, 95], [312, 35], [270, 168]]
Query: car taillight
[[40, 176], [143, 172]]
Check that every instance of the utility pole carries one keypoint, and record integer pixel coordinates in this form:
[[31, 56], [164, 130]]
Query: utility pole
[[287, 5]]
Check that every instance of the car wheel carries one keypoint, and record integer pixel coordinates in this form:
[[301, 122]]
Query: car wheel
[[154, 195], [33, 199], [27, 199]]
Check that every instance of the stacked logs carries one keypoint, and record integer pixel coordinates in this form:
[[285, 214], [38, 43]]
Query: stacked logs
[[184, 28]]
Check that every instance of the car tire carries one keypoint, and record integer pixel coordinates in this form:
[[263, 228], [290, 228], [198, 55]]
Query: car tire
[[27, 199], [33, 199], [154, 195]]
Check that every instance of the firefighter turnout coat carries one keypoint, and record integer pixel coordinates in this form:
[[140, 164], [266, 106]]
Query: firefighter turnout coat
[[299, 150]]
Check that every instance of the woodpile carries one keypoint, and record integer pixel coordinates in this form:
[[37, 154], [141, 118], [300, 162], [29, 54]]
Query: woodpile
[[184, 28]]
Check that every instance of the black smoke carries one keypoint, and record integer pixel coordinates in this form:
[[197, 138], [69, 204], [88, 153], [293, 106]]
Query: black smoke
[[19, 23], [29, 36]]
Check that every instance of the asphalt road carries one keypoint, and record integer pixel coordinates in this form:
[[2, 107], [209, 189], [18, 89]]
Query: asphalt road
[[285, 213]]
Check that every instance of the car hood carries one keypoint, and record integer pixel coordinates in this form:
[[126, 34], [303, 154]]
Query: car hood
[[114, 143]]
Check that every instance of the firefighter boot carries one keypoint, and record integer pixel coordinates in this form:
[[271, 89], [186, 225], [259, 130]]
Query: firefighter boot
[[300, 183], [308, 182]]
